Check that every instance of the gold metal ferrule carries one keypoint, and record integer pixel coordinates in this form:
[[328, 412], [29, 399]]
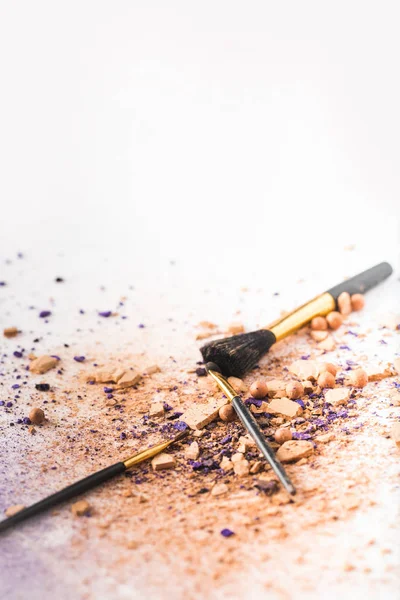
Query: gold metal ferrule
[[319, 306], [223, 384]]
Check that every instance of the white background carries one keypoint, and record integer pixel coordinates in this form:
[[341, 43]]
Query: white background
[[253, 138]]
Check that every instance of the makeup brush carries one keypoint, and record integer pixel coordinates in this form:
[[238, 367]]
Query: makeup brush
[[251, 425], [239, 353], [89, 482]]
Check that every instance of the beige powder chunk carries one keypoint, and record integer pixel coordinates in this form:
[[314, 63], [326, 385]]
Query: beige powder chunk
[[43, 364], [13, 510], [152, 369], [192, 452], [81, 508], [328, 344], [10, 332], [238, 456], [219, 489], [198, 416], [276, 388], [102, 377], [207, 325], [226, 464], [324, 438], [163, 461], [377, 372], [285, 407], [156, 409], [293, 450], [235, 328], [256, 467], [118, 374], [395, 433], [308, 387], [241, 468], [319, 336], [305, 369], [238, 384], [246, 443], [129, 379], [338, 396]]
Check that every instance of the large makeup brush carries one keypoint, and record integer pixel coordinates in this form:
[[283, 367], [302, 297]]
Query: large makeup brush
[[251, 425], [239, 353], [89, 482]]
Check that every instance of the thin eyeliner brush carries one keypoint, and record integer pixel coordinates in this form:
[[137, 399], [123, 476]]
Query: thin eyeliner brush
[[252, 427], [88, 483]]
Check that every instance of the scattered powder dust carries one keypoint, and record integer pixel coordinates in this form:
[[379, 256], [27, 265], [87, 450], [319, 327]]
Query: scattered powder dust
[[165, 534]]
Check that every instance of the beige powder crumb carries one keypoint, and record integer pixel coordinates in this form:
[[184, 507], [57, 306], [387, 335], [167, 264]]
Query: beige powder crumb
[[241, 468], [328, 344], [256, 467], [81, 508], [133, 545], [348, 567], [285, 407], [156, 409], [163, 461], [203, 335], [302, 461], [42, 364], [319, 336], [219, 489], [31, 430], [207, 325], [101, 377], [276, 388], [246, 443], [237, 457], [226, 464], [395, 433], [151, 370], [198, 416], [129, 379], [235, 328], [13, 510], [294, 450], [10, 332], [238, 384], [192, 452], [377, 372], [338, 396], [305, 369], [324, 438]]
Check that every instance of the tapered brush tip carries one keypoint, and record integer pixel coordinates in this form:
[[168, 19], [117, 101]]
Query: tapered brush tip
[[237, 354]]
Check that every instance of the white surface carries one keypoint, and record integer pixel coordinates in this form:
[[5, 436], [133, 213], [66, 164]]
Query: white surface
[[249, 142]]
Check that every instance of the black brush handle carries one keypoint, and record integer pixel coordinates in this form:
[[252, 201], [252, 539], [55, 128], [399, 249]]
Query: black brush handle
[[64, 495], [252, 427], [364, 281]]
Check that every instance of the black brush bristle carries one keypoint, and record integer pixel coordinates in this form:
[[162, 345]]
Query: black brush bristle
[[239, 353]]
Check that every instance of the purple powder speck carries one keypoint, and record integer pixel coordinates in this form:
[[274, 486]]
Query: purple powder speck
[[79, 358], [167, 407], [18, 354], [201, 372], [15, 386], [180, 425], [44, 313], [105, 314], [107, 390], [141, 326], [227, 532], [9, 404]]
